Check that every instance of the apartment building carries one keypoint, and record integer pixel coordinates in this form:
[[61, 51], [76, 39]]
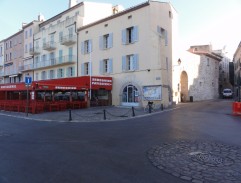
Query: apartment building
[[56, 43], [29, 51], [13, 55], [1, 61], [237, 73], [135, 47], [197, 75]]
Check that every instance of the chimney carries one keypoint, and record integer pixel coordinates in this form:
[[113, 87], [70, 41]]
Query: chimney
[[72, 3], [41, 17]]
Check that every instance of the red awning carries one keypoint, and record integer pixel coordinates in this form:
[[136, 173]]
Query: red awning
[[76, 83]]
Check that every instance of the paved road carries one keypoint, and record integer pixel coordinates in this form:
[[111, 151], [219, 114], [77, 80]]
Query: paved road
[[125, 151]]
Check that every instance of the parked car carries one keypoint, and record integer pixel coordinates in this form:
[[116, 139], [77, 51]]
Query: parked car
[[227, 93]]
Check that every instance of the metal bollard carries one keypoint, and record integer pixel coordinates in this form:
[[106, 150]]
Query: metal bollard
[[162, 107], [70, 115], [104, 114], [133, 111], [149, 108]]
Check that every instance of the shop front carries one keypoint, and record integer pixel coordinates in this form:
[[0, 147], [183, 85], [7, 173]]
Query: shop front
[[56, 95]]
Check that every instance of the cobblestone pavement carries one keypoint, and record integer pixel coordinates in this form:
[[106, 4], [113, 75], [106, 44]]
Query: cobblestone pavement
[[198, 162]]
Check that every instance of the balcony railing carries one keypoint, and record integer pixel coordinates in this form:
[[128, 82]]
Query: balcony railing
[[28, 67], [49, 46], [11, 71], [34, 51], [68, 59], [68, 40]]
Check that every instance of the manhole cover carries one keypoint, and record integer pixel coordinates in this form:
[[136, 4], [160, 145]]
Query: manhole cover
[[198, 161], [211, 159]]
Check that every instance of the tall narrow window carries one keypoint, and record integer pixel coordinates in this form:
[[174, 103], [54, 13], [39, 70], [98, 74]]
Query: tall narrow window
[[130, 62], [130, 35], [86, 47]]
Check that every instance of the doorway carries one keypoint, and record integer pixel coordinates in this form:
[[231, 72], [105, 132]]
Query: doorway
[[184, 86], [130, 96]]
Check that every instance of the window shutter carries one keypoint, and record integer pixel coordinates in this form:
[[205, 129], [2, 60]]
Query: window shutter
[[90, 46], [110, 40], [123, 63], [136, 62], [58, 74], [110, 65], [82, 48], [135, 34], [63, 72], [90, 68], [101, 67], [166, 38], [124, 36], [73, 71], [68, 72], [101, 41], [82, 69]]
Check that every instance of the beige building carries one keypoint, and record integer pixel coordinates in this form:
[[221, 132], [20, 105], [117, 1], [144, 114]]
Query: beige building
[[136, 48], [13, 55], [196, 77], [1, 61], [237, 73]]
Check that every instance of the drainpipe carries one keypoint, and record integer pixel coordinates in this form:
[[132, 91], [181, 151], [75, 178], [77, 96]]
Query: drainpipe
[[77, 33]]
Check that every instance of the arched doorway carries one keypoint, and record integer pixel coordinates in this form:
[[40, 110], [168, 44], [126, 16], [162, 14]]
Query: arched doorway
[[130, 96], [184, 86]]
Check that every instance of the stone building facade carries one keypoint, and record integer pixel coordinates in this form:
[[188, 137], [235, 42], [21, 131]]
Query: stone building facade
[[197, 77]]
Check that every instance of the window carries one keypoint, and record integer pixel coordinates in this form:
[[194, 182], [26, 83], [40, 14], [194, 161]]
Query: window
[[51, 74], [208, 62], [10, 44], [6, 57], [60, 73], [60, 36], [130, 62], [36, 76], [43, 75], [30, 33], [130, 35], [10, 56], [26, 48], [163, 34], [86, 47], [106, 66], [6, 46], [70, 72], [26, 34], [106, 41], [86, 68]]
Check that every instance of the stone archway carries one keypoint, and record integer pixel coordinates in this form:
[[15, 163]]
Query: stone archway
[[184, 86]]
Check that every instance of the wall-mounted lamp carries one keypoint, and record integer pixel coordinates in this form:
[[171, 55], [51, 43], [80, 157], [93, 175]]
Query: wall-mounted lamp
[[179, 61], [148, 70]]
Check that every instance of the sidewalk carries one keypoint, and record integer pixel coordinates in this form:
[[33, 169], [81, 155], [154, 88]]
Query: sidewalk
[[93, 114]]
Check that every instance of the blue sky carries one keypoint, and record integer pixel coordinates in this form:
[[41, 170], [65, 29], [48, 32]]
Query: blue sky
[[200, 21]]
